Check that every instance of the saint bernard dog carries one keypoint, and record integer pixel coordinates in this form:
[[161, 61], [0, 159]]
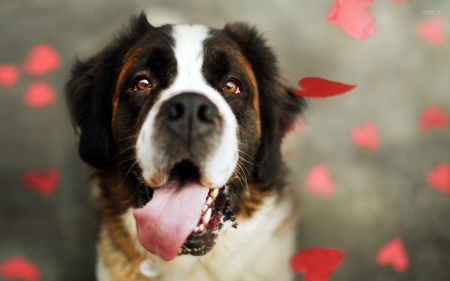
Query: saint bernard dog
[[181, 126]]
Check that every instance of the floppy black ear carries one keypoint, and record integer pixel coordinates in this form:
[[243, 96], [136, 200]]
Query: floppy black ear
[[278, 106], [89, 95]]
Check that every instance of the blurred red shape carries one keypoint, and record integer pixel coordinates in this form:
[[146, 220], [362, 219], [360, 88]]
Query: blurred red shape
[[439, 178], [432, 30], [318, 263], [39, 94], [42, 182], [393, 253], [319, 181], [19, 268], [9, 75], [352, 17], [433, 117], [366, 136], [316, 87], [43, 59]]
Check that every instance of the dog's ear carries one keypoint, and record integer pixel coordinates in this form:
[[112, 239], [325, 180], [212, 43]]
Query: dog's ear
[[279, 107], [89, 95]]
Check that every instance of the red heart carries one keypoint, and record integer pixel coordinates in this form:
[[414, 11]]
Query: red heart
[[39, 94], [393, 253], [433, 117], [319, 263], [43, 59], [42, 182], [9, 75], [432, 30], [352, 17], [315, 87], [319, 181], [19, 268], [439, 177], [366, 136]]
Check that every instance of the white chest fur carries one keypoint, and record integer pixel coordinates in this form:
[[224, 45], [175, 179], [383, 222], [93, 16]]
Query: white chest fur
[[259, 249]]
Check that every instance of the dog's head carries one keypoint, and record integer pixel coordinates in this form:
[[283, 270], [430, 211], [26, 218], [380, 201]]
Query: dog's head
[[192, 119]]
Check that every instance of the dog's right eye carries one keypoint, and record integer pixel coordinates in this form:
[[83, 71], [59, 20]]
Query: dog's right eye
[[142, 84]]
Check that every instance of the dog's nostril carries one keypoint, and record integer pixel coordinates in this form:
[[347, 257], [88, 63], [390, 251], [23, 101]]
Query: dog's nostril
[[205, 114], [175, 112]]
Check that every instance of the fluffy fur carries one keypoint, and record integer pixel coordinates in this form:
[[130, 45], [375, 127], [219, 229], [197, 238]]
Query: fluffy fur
[[109, 119]]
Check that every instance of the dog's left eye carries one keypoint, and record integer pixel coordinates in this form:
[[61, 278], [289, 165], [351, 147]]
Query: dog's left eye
[[231, 87], [142, 84]]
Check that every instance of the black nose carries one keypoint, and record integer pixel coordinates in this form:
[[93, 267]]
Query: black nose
[[190, 115]]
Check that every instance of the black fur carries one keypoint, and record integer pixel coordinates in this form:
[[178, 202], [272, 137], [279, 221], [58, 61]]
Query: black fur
[[278, 106], [89, 95]]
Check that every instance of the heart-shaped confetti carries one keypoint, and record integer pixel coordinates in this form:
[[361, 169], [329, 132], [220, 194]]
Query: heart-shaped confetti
[[439, 178], [366, 136], [296, 127], [39, 94], [316, 87], [319, 182], [433, 117], [43, 182], [352, 17], [9, 75], [19, 268], [318, 263], [42, 60], [393, 253], [432, 30]]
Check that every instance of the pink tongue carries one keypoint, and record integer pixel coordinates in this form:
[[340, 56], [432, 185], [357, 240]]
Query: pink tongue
[[164, 224]]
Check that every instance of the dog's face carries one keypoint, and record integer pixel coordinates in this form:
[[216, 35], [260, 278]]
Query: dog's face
[[190, 117]]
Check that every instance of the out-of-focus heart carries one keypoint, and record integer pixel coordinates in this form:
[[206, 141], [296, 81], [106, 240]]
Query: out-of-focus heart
[[316, 87], [42, 60], [352, 17], [432, 30], [439, 177], [393, 253], [19, 268], [433, 117], [39, 94], [318, 263], [366, 136], [9, 75], [42, 182], [319, 182]]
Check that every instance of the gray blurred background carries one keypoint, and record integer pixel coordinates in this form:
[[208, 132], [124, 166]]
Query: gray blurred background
[[379, 195]]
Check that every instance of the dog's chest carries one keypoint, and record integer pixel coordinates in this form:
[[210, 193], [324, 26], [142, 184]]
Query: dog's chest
[[259, 249]]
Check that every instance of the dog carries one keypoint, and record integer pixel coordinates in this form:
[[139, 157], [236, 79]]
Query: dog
[[181, 126]]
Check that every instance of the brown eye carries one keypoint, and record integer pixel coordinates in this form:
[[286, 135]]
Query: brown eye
[[231, 87], [142, 84]]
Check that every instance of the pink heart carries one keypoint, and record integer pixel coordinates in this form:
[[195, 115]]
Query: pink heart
[[352, 17], [318, 263], [9, 75], [44, 183], [432, 30], [43, 59], [366, 136], [316, 87], [393, 253], [39, 94], [296, 127], [319, 181], [439, 178], [19, 268], [433, 117]]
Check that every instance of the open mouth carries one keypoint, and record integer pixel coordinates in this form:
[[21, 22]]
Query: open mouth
[[182, 216]]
